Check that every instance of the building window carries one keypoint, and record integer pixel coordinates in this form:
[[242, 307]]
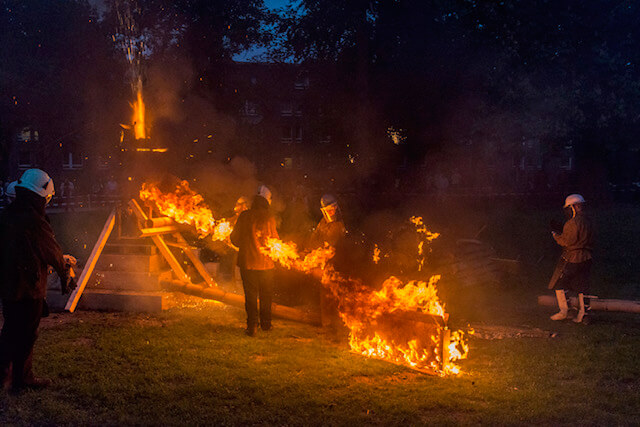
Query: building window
[[325, 139], [71, 162], [250, 108], [302, 81], [298, 111], [287, 163], [298, 134], [287, 135], [28, 135], [286, 110], [25, 159]]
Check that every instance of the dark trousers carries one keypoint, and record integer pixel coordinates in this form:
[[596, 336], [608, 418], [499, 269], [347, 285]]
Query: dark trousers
[[19, 333], [258, 283]]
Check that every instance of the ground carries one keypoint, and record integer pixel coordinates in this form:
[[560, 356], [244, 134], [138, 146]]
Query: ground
[[193, 365]]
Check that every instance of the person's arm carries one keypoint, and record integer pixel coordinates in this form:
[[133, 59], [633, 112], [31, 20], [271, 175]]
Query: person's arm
[[235, 236], [273, 231], [50, 252], [569, 234]]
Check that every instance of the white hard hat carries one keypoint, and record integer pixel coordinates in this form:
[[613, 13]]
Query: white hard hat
[[264, 191], [37, 181], [573, 199], [11, 190]]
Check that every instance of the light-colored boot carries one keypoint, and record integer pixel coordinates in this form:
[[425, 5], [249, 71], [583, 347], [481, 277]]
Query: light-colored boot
[[562, 303], [580, 314]]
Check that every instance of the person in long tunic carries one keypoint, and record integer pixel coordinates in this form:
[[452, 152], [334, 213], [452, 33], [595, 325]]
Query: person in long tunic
[[574, 266]]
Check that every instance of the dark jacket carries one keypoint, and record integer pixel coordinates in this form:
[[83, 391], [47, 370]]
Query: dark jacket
[[576, 239], [252, 229], [329, 232], [27, 247]]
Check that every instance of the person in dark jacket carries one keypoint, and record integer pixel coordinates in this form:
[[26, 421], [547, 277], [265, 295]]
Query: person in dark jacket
[[253, 228], [330, 230], [27, 248], [573, 270]]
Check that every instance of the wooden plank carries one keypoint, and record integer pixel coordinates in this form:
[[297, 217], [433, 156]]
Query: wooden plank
[[196, 262], [171, 259], [91, 262], [159, 242], [156, 231], [596, 304]]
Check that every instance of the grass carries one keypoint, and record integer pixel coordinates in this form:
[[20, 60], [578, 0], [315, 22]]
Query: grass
[[193, 365]]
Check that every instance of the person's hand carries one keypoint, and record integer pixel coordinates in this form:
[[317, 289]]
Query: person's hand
[[70, 259], [69, 286]]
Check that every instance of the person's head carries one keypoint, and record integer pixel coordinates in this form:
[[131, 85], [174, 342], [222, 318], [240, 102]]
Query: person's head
[[242, 204], [573, 204], [329, 207], [264, 191], [11, 191], [38, 182]]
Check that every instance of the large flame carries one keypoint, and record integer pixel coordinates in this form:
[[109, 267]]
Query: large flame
[[377, 320], [403, 322], [185, 206], [138, 115]]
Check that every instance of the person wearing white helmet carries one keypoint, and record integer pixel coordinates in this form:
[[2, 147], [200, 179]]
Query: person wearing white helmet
[[27, 248], [330, 230], [10, 192], [574, 267]]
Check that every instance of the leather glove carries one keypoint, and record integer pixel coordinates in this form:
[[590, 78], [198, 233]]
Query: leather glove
[[69, 286]]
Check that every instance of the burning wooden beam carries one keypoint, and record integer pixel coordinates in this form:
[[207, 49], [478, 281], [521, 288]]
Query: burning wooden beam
[[229, 298], [157, 231], [159, 222], [596, 304]]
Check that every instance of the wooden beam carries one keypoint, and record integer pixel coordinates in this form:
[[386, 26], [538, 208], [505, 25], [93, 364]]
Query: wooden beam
[[195, 261], [596, 304], [171, 259], [156, 231], [72, 302], [279, 311]]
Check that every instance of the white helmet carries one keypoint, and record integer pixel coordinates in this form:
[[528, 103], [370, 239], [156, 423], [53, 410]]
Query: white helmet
[[37, 181], [264, 191], [329, 207], [573, 199], [11, 190]]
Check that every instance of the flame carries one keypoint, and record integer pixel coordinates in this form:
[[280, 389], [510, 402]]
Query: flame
[[402, 322], [425, 235], [185, 206], [138, 114], [376, 254]]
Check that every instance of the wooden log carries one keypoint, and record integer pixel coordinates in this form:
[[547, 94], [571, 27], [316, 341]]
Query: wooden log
[[279, 311], [157, 231], [91, 262], [596, 304], [159, 222]]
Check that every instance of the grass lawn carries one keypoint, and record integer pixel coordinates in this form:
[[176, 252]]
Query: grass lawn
[[193, 365]]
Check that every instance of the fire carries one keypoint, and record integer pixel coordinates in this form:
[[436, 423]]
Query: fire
[[425, 235], [287, 255], [376, 254], [138, 114], [402, 322], [185, 206]]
